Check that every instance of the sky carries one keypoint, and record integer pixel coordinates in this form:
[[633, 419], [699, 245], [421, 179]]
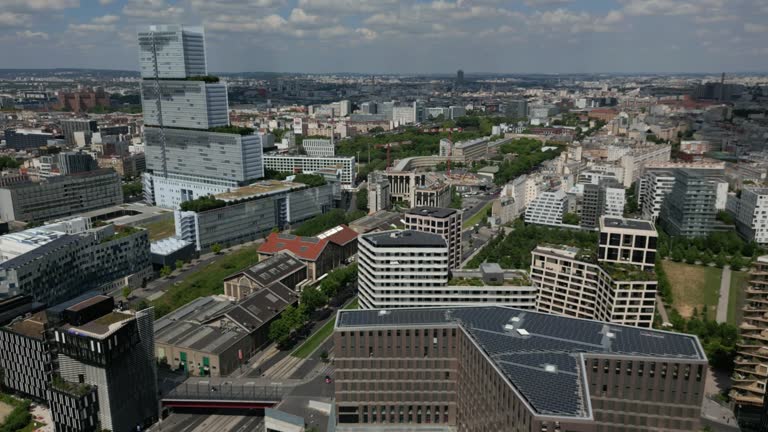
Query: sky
[[401, 36]]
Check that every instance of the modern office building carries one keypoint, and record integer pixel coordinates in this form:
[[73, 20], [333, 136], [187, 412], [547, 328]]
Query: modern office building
[[112, 350], [400, 269], [26, 355], [22, 139], [445, 222], [66, 163], [250, 212], [70, 127], [497, 368], [615, 284], [690, 209], [60, 265], [547, 208], [515, 108], [308, 164], [318, 147], [191, 151], [455, 111], [465, 151], [418, 189], [750, 211], [378, 192], [60, 196], [171, 51]]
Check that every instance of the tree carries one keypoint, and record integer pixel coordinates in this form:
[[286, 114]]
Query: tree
[[737, 263], [721, 260], [141, 305], [279, 331], [133, 189], [324, 356], [312, 298], [692, 255], [126, 291], [216, 248], [179, 264], [165, 271], [571, 219], [456, 200], [362, 199]]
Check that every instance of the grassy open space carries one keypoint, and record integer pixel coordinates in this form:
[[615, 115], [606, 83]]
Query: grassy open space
[[478, 217], [207, 280], [693, 287], [317, 338], [736, 296], [161, 229]]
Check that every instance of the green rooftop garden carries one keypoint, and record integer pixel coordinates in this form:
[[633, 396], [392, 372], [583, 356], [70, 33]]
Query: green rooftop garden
[[311, 180], [208, 79], [202, 204], [627, 272], [69, 387]]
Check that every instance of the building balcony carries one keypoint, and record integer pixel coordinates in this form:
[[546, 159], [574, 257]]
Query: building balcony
[[746, 398]]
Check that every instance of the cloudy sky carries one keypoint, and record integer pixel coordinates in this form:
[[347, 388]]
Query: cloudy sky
[[408, 36]]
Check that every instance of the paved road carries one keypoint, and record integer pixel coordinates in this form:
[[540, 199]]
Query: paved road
[[722, 301], [218, 421]]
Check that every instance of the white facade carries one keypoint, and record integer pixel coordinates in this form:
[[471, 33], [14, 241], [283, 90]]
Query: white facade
[[614, 201], [308, 164], [455, 112], [185, 104], [634, 163], [547, 209], [651, 190], [317, 147], [171, 51], [751, 213], [169, 192]]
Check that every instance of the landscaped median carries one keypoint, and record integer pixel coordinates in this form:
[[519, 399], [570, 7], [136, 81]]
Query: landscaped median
[[478, 217], [318, 337]]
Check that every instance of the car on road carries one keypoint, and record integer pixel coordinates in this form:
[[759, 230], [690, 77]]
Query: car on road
[[328, 379]]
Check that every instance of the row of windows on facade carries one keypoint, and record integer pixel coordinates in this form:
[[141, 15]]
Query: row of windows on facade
[[630, 368]]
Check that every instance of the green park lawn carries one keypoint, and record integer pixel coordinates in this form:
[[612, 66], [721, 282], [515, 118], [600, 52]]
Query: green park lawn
[[693, 287], [736, 296], [207, 280]]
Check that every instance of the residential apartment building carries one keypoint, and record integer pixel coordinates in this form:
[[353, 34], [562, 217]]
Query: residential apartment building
[[690, 209], [616, 284], [191, 151], [652, 188], [547, 208], [497, 368], [318, 147], [83, 128], [113, 351], [637, 158], [750, 210], [308, 164], [606, 198], [399, 269], [60, 196], [445, 222]]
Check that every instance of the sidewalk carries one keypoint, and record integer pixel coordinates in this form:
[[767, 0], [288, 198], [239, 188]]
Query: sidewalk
[[725, 290]]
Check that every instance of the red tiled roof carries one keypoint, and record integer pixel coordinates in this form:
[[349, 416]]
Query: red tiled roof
[[344, 236], [305, 248]]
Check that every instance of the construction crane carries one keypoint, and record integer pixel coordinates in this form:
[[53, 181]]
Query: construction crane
[[450, 150]]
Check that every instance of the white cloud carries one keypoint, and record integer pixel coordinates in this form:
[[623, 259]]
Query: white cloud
[[39, 5], [154, 9], [27, 34], [367, 33], [90, 27], [576, 22], [347, 7], [665, 7], [755, 28], [11, 19], [106, 19], [709, 19], [300, 17], [105, 2], [244, 6]]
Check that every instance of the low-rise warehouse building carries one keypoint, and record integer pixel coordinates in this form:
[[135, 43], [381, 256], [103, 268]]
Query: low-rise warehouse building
[[283, 267], [213, 336]]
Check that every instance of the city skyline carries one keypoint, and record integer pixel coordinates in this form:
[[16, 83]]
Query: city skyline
[[402, 36]]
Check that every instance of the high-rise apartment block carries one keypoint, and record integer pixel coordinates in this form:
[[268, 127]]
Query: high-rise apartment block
[[496, 368], [750, 372], [442, 221], [191, 149], [606, 198], [26, 355], [547, 208], [690, 209], [750, 211], [616, 283], [71, 127]]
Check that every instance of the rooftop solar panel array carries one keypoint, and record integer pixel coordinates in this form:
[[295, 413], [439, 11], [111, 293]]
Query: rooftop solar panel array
[[538, 353]]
